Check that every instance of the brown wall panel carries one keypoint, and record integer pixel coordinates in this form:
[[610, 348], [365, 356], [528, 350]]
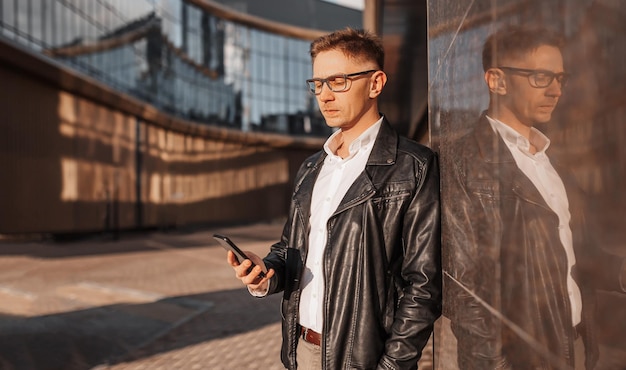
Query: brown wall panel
[[77, 157]]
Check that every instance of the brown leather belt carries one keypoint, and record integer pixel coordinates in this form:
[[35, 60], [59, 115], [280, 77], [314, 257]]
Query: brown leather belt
[[311, 336]]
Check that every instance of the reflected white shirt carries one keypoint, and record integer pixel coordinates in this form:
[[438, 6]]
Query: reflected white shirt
[[336, 176], [539, 170]]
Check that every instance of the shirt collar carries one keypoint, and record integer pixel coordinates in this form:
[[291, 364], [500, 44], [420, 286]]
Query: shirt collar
[[365, 140], [540, 141]]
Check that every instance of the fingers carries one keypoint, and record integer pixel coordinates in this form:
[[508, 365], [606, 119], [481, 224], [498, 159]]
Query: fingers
[[261, 283], [231, 259], [244, 273], [253, 277], [255, 259], [250, 277]]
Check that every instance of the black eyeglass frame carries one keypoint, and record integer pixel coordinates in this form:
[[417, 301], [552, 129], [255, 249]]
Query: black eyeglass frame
[[346, 76], [561, 77]]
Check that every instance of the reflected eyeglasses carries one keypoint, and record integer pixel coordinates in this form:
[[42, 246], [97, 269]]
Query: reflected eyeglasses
[[336, 83], [539, 78]]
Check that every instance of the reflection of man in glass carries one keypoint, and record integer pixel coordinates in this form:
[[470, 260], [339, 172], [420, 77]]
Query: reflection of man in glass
[[521, 270]]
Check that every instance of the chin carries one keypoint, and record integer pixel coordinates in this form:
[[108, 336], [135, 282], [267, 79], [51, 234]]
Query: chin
[[333, 123], [543, 118]]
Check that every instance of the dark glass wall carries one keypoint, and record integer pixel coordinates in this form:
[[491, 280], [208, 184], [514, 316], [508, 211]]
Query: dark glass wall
[[507, 298]]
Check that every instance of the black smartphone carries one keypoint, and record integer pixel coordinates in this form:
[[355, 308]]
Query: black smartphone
[[228, 244]]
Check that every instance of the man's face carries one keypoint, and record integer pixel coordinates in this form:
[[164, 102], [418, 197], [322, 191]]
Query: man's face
[[344, 109], [523, 103]]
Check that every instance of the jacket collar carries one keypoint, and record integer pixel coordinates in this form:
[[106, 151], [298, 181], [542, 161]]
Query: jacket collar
[[384, 153], [490, 144], [385, 148], [493, 150]]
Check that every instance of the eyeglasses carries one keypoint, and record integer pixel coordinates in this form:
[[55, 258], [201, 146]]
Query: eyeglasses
[[336, 83], [540, 78]]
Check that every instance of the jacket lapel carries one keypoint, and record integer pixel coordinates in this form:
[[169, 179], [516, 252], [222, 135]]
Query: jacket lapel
[[304, 189], [494, 152], [383, 153]]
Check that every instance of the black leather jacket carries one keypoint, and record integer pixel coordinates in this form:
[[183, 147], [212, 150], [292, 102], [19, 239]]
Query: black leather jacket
[[501, 243], [382, 267]]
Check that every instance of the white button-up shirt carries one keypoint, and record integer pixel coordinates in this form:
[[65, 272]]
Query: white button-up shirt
[[539, 170], [336, 176]]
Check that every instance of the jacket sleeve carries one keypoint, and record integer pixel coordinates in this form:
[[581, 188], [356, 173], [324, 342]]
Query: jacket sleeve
[[420, 303], [470, 267], [285, 277], [276, 259]]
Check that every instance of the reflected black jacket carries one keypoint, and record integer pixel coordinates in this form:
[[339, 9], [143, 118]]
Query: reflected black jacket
[[382, 268], [501, 242]]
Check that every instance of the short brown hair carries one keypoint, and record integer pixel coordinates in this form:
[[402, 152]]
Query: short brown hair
[[515, 41], [354, 43]]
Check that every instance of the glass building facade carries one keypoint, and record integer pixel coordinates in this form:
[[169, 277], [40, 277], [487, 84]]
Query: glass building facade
[[178, 57]]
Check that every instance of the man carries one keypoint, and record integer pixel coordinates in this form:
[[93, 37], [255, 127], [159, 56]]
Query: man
[[359, 258], [521, 271]]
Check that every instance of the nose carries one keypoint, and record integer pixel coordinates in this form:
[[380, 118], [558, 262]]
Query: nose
[[326, 93], [554, 89]]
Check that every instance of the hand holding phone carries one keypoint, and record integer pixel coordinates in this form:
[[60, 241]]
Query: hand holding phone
[[228, 244]]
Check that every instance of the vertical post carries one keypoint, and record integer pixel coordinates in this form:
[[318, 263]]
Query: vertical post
[[184, 29], [16, 19], [139, 147], [371, 15], [115, 212], [207, 39], [44, 34], [29, 21], [53, 25]]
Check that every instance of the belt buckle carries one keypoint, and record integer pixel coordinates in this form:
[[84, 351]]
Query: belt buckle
[[306, 332]]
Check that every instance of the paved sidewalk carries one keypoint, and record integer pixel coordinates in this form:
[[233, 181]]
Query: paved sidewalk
[[161, 300], [150, 301]]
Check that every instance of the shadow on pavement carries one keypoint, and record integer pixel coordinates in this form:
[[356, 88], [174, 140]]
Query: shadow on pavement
[[123, 332]]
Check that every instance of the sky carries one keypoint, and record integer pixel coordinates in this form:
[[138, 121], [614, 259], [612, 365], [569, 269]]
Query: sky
[[355, 4]]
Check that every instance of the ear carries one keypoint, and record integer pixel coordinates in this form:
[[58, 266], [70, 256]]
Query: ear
[[495, 80], [377, 82]]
